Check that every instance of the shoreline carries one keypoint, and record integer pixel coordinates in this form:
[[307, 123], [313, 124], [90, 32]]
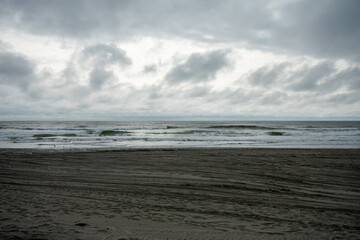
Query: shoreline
[[131, 149], [180, 193]]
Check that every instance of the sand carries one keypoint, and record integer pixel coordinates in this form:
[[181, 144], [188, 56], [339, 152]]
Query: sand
[[180, 194]]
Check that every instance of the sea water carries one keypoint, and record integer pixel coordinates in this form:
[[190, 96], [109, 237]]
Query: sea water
[[179, 134]]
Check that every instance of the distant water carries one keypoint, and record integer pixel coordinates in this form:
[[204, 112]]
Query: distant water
[[182, 134]]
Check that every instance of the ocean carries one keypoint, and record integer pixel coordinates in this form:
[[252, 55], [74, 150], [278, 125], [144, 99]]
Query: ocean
[[179, 134]]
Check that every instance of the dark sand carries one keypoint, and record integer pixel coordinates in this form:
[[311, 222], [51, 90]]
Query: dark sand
[[180, 194]]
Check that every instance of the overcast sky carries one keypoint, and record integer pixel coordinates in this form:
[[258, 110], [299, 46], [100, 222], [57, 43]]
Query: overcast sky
[[228, 59]]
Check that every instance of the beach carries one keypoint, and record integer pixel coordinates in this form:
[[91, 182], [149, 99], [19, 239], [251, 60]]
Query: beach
[[189, 193]]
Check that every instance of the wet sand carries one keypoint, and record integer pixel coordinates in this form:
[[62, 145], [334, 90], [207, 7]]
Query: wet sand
[[180, 194]]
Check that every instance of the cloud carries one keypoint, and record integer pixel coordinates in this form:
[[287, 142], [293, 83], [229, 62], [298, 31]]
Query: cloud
[[304, 76], [16, 69], [324, 78], [4, 46], [324, 28], [344, 98], [150, 68], [273, 98], [94, 67], [292, 57], [83, 19], [199, 67], [312, 78], [197, 92], [98, 77], [349, 77], [105, 54], [268, 75], [289, 84], [76, 19]]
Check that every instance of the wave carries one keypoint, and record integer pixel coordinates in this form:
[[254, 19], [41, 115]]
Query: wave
[[322, 129], [45, 135], [242, 127], [199, 132], [113, 133], [149, 139], [171, 127], [46, 129]]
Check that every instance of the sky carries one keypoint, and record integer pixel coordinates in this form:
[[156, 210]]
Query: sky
[[179, 59]]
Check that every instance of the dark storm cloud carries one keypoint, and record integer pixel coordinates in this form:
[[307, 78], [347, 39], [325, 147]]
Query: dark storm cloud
[[104, 54], [199, 67], [325, 28], [15, 69]]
